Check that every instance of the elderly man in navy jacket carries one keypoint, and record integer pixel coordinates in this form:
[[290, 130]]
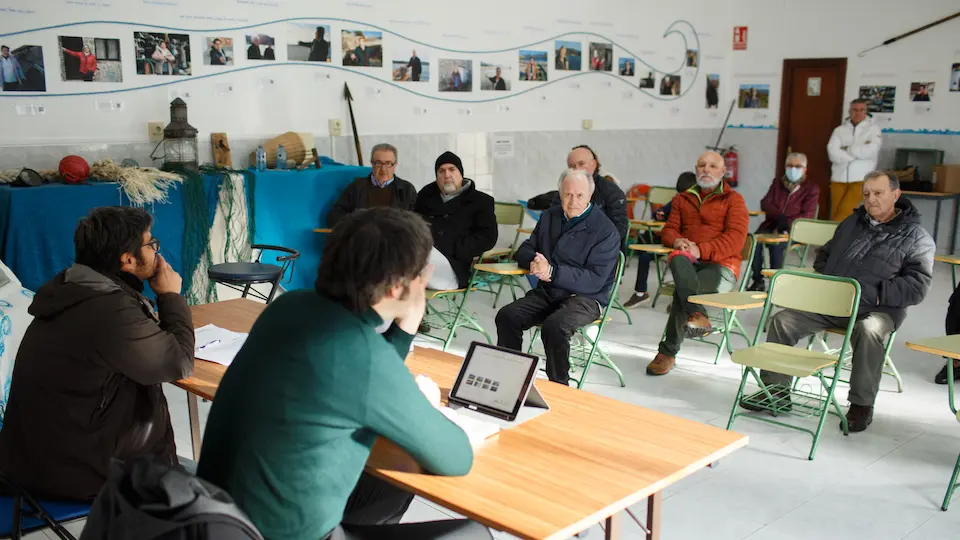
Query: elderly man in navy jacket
[[573, 252]]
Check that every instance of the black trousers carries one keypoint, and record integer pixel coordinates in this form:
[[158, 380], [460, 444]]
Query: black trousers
[[558, 320], [952, 322], [374, 510]]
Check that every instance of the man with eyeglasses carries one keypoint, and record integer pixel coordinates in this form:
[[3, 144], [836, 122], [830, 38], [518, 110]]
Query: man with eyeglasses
[[86, 383], [381, 189]]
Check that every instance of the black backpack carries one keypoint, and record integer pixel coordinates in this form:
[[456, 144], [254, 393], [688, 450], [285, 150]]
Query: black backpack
[[147, 500]]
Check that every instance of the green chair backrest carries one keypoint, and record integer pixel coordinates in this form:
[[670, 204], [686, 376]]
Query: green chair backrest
[[508, 213], [746, 256], [815, 293], [661, 194], [621, 262], [812, 232]]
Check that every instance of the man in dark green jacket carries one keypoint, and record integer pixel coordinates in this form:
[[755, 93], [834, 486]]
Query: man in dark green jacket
[[319, 378]]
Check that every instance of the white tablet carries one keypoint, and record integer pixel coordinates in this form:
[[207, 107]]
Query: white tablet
[[494, 380]]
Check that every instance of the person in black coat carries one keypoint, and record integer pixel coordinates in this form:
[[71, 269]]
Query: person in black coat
[[253, 51], [319, 47], [416, 68], [573, 252], [381, 188], [462, 220]]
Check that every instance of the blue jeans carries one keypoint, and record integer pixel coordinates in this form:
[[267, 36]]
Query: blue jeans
[[777, 252]]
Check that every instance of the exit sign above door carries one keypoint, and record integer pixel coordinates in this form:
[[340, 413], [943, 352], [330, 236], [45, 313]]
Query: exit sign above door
[[739, 38]]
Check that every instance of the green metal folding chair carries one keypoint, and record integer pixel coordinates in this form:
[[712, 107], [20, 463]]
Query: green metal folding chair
[[813, 293], [806, 233], [451, 314], [584, 348], [889, 368], [616, 297], [507, 214], [952, 486]]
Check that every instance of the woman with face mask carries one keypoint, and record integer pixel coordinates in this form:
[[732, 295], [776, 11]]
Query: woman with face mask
[[788, 198]]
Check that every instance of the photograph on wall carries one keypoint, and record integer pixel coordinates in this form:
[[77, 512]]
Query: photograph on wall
[[601, 57], [568, 55], [921, 91], [22, 67], [90, 59], [494, 77], [162, 54], [362, 48], [456, 76], [308, 42], [261, 47], [713, 90], [649, 81], [693, 58], [219, 51], [880, 99], [955, 78], [754, 96], [628, 67], [415, 68], [670, 85], [533, 66]]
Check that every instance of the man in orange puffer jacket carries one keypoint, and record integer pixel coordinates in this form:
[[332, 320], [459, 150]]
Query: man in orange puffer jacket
[[707, 227]]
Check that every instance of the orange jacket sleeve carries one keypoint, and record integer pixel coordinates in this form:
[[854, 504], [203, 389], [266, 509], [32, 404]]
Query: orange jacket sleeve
[[735, 228], [671, 231]]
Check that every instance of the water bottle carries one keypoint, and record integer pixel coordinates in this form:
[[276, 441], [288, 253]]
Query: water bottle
[[261, 159], [281, 157]]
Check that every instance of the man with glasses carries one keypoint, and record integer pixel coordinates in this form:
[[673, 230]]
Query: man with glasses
[[381, 188], [853, 149], [86, 383]]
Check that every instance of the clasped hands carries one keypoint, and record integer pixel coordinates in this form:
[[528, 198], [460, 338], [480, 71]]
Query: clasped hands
[[682, 244], [540, 267]]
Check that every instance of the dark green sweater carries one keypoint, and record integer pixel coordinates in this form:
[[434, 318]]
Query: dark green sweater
[[300, 407]]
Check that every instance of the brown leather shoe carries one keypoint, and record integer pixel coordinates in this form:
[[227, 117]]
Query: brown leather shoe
[[661, 365], [697, 326]]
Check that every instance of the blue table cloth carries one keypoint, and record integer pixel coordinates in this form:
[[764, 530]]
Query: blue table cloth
[[37, 224], [288, 205]]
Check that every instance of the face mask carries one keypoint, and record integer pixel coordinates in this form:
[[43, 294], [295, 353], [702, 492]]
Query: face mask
[[794, 174]]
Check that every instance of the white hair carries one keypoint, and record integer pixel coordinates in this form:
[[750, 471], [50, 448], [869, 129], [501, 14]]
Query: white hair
[[575, 173], [797, 155]]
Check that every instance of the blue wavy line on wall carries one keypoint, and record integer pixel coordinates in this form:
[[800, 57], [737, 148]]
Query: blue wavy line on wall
[[885, 130], [670, 30]]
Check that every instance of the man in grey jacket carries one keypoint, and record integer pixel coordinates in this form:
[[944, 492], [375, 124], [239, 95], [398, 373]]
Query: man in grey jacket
[[883, 246], [381, 188]]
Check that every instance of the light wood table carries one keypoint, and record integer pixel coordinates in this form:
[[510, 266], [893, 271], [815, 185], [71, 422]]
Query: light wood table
[[756, 213], [772, 238], [948, 346], [325, 231], [523, 230], [769, 272], [735, 301], [502, 269], [655, 249], [647, 223], [953, 262], [583, 462], [636, 199]]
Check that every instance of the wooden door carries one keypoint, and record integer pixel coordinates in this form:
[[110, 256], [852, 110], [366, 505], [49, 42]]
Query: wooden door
[[807, 119]]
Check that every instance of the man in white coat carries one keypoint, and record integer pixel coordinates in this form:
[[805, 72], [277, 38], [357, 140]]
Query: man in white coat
[[853, 150]]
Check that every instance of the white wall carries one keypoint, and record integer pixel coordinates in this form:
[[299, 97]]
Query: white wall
[[303, 96]]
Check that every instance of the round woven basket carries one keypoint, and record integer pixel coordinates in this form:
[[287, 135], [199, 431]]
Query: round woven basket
[[292, 143]]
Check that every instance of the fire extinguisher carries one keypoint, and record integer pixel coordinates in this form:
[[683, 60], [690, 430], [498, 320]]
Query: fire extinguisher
[[730, 161]]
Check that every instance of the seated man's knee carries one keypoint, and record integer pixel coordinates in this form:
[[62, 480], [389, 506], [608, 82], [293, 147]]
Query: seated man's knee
[[506, 316], [679, 261], [873, 326], [556, 327]]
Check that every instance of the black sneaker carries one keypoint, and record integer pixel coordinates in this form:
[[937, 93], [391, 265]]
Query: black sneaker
[[941, 377], [781, 396], [757, 286], [858, 418], [636, 300]]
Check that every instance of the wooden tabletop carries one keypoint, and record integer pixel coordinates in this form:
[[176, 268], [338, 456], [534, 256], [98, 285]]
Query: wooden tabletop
[[931, 194], [636, 199], [772, 238], [585, 460], [503, 269], [650, 223], [756, 212], [651, 248], [949, 259], [732, 300], [327, 231], [769, 272], [948, 346], [523, 230]]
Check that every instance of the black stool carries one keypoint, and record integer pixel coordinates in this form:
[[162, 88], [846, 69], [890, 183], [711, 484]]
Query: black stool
[[243, 274]]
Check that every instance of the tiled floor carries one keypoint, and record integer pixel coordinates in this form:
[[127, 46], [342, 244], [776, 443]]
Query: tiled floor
[[885, 483]]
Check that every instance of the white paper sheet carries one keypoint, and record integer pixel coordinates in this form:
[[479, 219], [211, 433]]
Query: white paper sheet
[[218, 344]]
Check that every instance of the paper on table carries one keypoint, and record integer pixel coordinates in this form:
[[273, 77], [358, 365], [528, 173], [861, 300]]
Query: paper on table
[[217, 344], [477, 430]]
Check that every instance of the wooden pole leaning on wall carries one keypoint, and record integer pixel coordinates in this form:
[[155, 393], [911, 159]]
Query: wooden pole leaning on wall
[[910, 33], [353, 123]]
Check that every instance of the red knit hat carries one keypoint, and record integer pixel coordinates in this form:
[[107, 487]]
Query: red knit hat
[[74, 169]]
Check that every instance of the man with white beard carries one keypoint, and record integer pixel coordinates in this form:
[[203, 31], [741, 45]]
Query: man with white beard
[[461, 219], [707, 229]]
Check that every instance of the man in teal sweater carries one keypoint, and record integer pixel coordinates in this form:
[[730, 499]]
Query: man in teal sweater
[[319, 378]]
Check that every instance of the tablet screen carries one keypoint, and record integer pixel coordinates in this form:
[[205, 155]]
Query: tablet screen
[[494, 378]]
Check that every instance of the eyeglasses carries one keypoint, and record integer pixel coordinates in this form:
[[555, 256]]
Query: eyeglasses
[[154, 243], [384, 164]]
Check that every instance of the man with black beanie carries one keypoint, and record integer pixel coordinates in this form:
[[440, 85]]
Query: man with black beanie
[[462, 221]]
